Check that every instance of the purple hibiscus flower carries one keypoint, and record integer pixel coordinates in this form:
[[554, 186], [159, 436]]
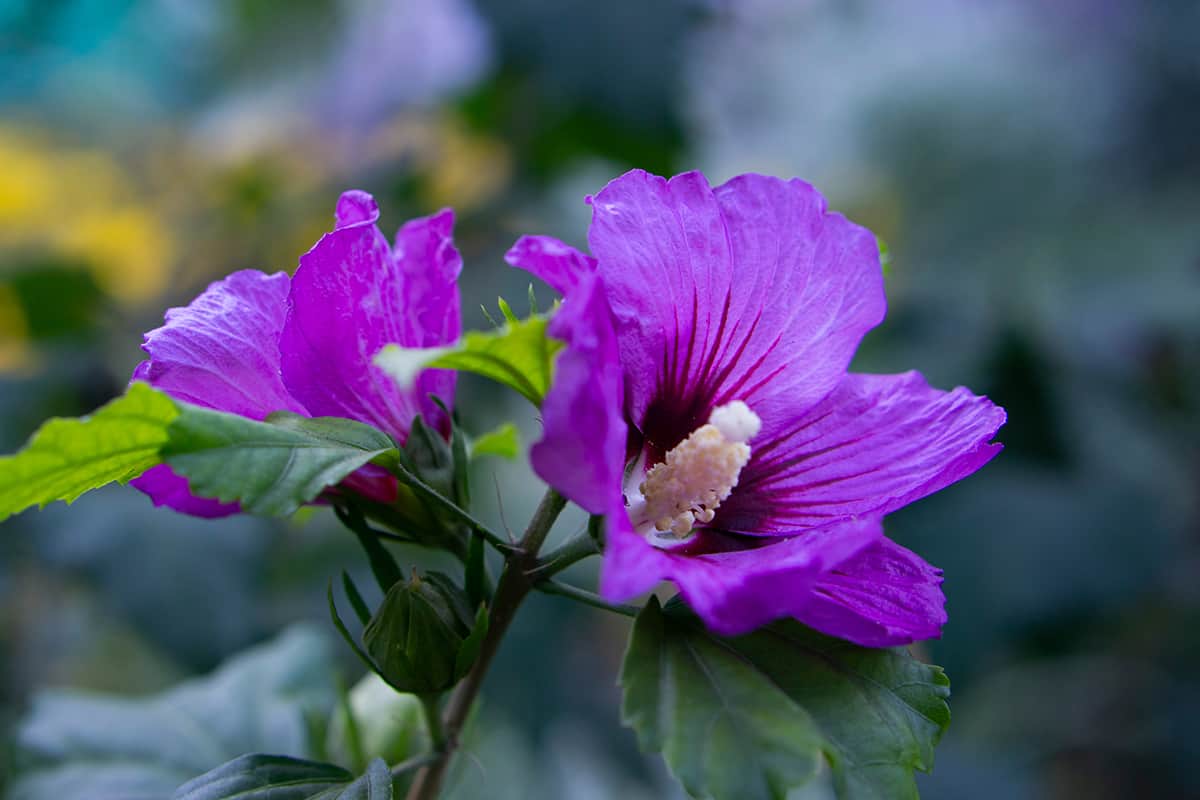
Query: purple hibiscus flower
[[705, 389], [253, 343]]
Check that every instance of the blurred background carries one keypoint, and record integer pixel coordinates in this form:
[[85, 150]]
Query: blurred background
[[1034, 167]]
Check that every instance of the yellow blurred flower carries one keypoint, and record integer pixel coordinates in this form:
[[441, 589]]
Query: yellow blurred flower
[[79, 204]]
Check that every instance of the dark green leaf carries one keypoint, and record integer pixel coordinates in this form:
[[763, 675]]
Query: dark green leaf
[[519, 355], [751, 717], [270, 467], [266, 777], [67, 457]]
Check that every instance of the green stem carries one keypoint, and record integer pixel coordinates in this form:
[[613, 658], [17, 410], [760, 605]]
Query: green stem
[[585, 597], [433, 721], [570, 552], [513, 587], [433, 496]]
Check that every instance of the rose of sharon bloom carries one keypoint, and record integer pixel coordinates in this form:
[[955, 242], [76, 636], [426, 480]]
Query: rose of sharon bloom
[[253, 343], [704, 389]]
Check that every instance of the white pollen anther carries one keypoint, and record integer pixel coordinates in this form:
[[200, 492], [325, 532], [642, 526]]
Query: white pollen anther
[[736, 421], [698, 474]]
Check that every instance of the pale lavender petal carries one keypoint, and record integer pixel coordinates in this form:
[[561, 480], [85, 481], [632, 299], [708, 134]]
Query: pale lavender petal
[[735, 590], [883, 597], [875, 444], [582, 452], [555, 262], [350, 297], [751, 291], [221, 351], [166, 488]]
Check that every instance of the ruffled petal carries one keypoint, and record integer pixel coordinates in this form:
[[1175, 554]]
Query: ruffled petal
[[751, 291], [555, 262], [885, 596], [736, 590], [351, 296], [582, 452], [166, 488], [875, 444], [222, 351]]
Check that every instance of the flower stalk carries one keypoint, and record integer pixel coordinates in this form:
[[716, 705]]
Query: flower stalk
[[514, 585]]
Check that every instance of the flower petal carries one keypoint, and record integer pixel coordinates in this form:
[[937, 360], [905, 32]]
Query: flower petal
[[167, 488], [582, 453], [555, 262], [885, 596], [736, 590], [875, 444], [222, 351], [351, 296], [751, 291]]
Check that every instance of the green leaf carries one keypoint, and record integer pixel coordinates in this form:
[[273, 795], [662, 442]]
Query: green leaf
[[751, 717], [76, 745], [504, 441], [265, 777], [271, 467], [518, 354], [67, 457]]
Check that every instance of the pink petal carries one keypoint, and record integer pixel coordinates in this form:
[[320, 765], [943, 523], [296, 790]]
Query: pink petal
[[556, 263], [882, 597], [582, 453], [749, 291], [222, 351], [351, 296], [166, 488], [737, 590], [875, 444]]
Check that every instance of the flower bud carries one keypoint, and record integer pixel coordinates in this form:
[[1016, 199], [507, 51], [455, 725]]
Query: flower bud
[[422, 638]]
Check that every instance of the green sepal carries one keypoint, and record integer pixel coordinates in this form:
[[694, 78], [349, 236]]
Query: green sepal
[[431, 459], [67, 457]]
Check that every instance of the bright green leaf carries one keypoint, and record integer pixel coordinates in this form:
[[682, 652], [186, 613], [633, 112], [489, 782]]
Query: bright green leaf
[[67, 457], [518, 354], [751, 717], [266, 777], [270, 467], [504, 441]]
